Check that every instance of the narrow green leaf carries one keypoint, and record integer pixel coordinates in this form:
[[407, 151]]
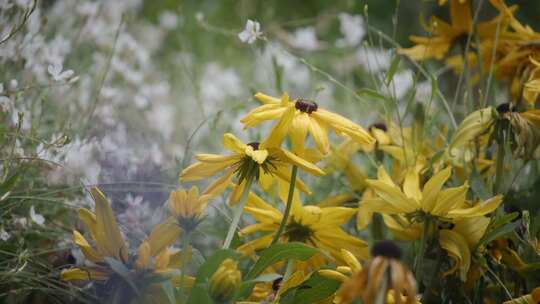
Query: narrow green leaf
[[372, 94], [392, 69], [199, 295], [169, 291]]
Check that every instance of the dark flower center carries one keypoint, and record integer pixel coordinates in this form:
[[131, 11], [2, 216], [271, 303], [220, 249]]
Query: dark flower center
[[296, 232], [306, 106], [505, 108], [386, 249], [379, 125], [254, 145]]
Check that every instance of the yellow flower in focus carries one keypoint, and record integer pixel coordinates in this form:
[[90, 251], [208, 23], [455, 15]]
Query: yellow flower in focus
[[432, 201], [298, 118], [225, 281], [312, 225], [188, 206], [248, 161]]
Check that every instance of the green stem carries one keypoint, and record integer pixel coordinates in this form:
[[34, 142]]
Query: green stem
[[422, 251], [237, 213], [377, 227], [287, 207], [500, 163], [185, 248], [428, 294]]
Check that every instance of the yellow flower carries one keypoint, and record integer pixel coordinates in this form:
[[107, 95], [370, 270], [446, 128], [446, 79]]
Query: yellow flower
[[225, 281], [298, 118], [252, 160], [188, 206], [531, 298], [153, 255], [443, 35], [433, 201], [312, 225], [342, 273], [457, 239]]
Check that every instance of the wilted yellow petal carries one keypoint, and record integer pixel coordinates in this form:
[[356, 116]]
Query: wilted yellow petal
[[457, 247], [163, 235], [85, 247], [77, 274]]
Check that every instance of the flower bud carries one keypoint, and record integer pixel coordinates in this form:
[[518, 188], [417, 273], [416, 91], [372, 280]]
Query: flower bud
[[225, 281]]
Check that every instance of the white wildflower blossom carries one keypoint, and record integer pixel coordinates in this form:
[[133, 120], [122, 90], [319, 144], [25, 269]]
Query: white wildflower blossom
[[168, 20], [353, 29], [57, 72], [251, 32], [374, 60], [36, 217]]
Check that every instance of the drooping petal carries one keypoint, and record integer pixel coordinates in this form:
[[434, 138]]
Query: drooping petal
[[457, 248], [449, 199], [411, 185], [280, 130], [89, 220], [320, 135], [291, 158]]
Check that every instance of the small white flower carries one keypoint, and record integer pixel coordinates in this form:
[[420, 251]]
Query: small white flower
[[4, 235], [251, 32], [13, 84], [199, 16], [168, 20], [352, 28], [36, 217], [55, 70], [306, 39], [21, 222]]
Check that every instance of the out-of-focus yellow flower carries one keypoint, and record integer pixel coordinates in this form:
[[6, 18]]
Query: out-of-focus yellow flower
[[188, 207], [298, 118], [385, 265], [153, 256], [531, 298], [225, 281], [433, 201], [252, 160], [443, 35], [312, 225]]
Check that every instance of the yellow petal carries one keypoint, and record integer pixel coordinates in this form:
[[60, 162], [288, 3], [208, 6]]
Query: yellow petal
[[77, 274], [432, 189], [257, 155], [89, 220], [280, 130], [334, 275], [411, 185], [163, 235], [480, 209], [291, 158], [109, 241], [351, 260], [392, 196], [320, 135], [143, 255], [266, 99], [85, 247], [202, 170], [233, 144], [450, 199]]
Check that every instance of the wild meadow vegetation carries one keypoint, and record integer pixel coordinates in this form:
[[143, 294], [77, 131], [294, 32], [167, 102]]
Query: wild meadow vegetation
[[269, 151]]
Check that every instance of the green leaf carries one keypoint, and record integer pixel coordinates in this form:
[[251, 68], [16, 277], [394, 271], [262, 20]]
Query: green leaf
[[169, 291], [392, 70], [9, 184], [314, 289], [199, 295], [122, 271], [372, 94], [478, 186], [279, 252]]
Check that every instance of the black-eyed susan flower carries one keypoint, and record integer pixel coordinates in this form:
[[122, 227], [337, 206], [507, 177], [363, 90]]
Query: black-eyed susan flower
[[431, 202], [187, 207], [312, 225], [225, 281], [110, 254], [299, 117], [248, 161], [383, 275]]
